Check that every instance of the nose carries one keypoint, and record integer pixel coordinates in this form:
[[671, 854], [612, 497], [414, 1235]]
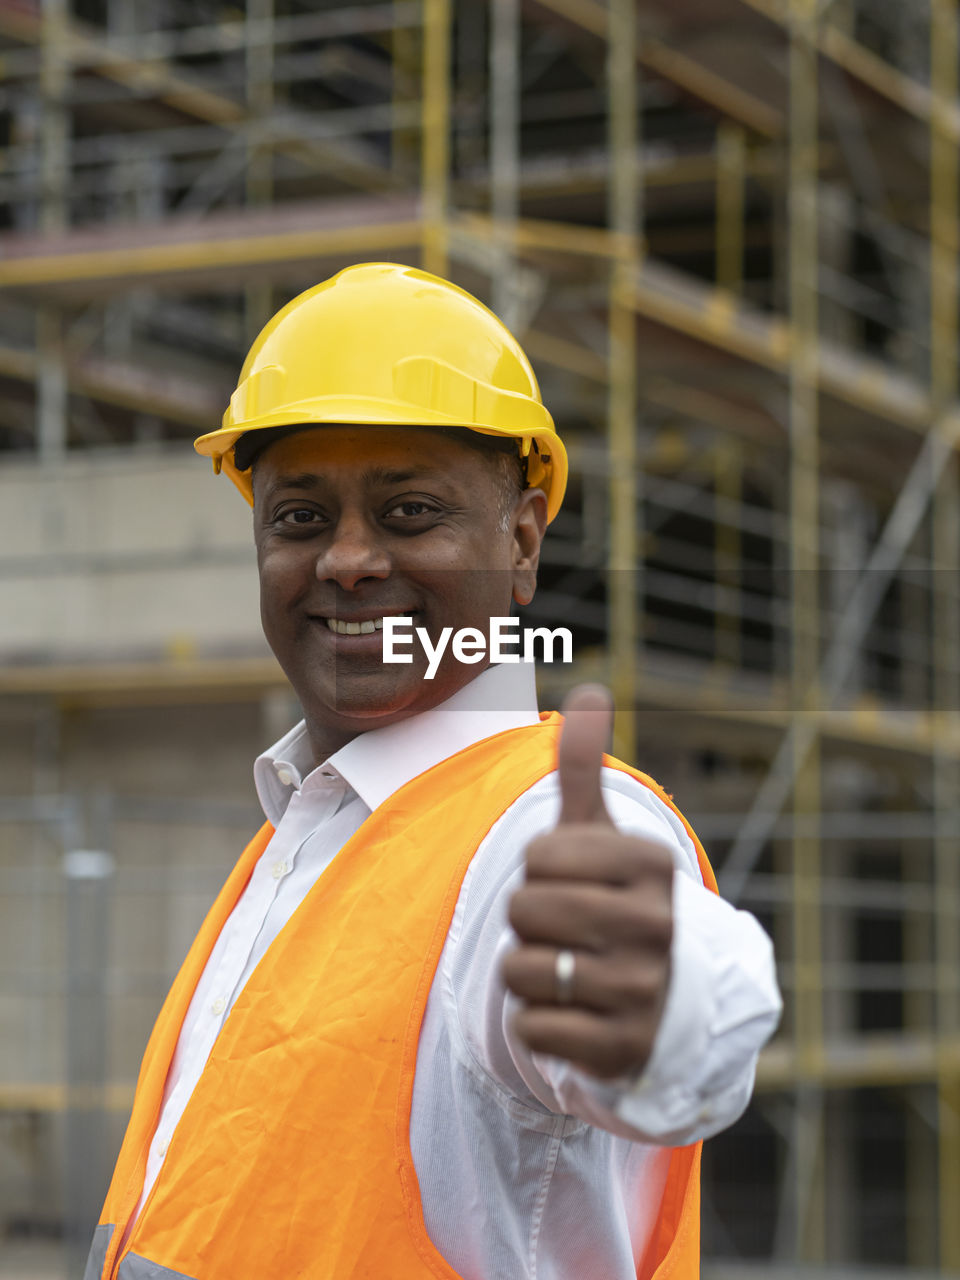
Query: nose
[[353, 554]]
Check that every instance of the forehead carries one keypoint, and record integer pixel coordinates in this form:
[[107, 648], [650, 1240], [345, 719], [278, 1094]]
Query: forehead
[[373, 453]]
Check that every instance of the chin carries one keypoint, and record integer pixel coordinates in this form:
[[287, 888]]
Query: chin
[[357, 707]]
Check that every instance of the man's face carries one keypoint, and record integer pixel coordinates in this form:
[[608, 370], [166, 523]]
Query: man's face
[[354, 523]]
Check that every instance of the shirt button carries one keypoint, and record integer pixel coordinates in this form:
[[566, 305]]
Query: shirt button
[[218, 1005], [162, 1150], [279, 870], [285, 776]]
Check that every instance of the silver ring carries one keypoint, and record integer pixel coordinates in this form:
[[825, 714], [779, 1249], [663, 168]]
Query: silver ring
[[564, 966]]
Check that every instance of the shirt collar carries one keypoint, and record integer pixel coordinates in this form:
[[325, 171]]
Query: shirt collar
[[377, 763]]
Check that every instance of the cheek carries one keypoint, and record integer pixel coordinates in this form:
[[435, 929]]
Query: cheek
[[488, 550], [476, 593], [283, 577]]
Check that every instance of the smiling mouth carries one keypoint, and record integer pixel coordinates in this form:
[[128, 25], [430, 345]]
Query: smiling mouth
[[354, 628], [366, 628]]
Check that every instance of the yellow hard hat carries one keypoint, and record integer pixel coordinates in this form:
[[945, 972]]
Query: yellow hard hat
[[391, 345]]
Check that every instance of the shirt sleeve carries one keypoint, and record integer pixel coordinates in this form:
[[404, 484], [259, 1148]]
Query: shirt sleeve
[[722, 1002]]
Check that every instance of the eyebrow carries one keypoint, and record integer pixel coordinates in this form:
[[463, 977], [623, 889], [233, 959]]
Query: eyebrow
[[307, 480], [311, 480], [383, 475]]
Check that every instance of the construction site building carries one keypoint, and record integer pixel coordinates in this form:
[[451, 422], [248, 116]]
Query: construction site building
[[726, 232]]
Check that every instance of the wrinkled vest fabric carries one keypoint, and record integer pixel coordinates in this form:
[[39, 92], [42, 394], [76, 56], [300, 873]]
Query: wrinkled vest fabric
[[292, 1158]]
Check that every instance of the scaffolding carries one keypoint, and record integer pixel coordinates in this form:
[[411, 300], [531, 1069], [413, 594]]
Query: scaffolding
[[727, 235]]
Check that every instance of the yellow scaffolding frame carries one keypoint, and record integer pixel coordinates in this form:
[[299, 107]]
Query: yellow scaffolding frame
[[809, 1208], [435, 159], [625, 592], [944, 300]]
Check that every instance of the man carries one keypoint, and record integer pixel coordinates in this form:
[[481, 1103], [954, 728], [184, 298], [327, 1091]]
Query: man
[[453, 1013]]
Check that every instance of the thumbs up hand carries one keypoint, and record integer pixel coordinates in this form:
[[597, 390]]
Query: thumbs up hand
[[594, 917]]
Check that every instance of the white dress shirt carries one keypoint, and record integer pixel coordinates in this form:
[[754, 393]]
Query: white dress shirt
[[528, 1168]]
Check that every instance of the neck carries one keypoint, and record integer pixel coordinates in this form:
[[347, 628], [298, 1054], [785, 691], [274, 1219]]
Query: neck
[[324, 740], [328, 732]]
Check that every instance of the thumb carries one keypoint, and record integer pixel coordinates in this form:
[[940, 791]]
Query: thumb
[[588, 723]]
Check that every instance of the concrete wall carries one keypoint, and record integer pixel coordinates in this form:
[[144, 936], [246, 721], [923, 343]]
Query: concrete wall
[[127, 553]]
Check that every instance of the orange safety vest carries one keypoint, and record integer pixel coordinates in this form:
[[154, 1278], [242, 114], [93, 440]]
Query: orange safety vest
[[292, 1157]]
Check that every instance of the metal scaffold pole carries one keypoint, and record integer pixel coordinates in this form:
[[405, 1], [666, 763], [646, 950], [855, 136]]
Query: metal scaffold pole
[[405, 52], [944, 214], [88, 874], [51, 411], [435, 154], [808, 1215], [728, 495], [259, 168], [505, 151], [731, 177], [625, 571]]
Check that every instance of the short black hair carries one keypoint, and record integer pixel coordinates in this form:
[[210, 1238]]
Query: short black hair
[[252, 444]]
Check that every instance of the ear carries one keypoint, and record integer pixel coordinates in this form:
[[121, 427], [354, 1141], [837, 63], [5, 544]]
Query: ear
[[529, 525]]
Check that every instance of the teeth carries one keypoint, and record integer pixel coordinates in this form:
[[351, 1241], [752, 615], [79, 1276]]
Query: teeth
[[355, 628]]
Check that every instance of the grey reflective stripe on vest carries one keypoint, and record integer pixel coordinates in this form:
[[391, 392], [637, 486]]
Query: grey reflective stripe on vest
[[133, 1267], [98, 1252]]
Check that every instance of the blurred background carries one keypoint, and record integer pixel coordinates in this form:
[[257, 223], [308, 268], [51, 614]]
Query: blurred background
[[726, 232]]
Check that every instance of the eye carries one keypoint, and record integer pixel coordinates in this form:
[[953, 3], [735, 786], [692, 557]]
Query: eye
[[298, 516], [409, 510]]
